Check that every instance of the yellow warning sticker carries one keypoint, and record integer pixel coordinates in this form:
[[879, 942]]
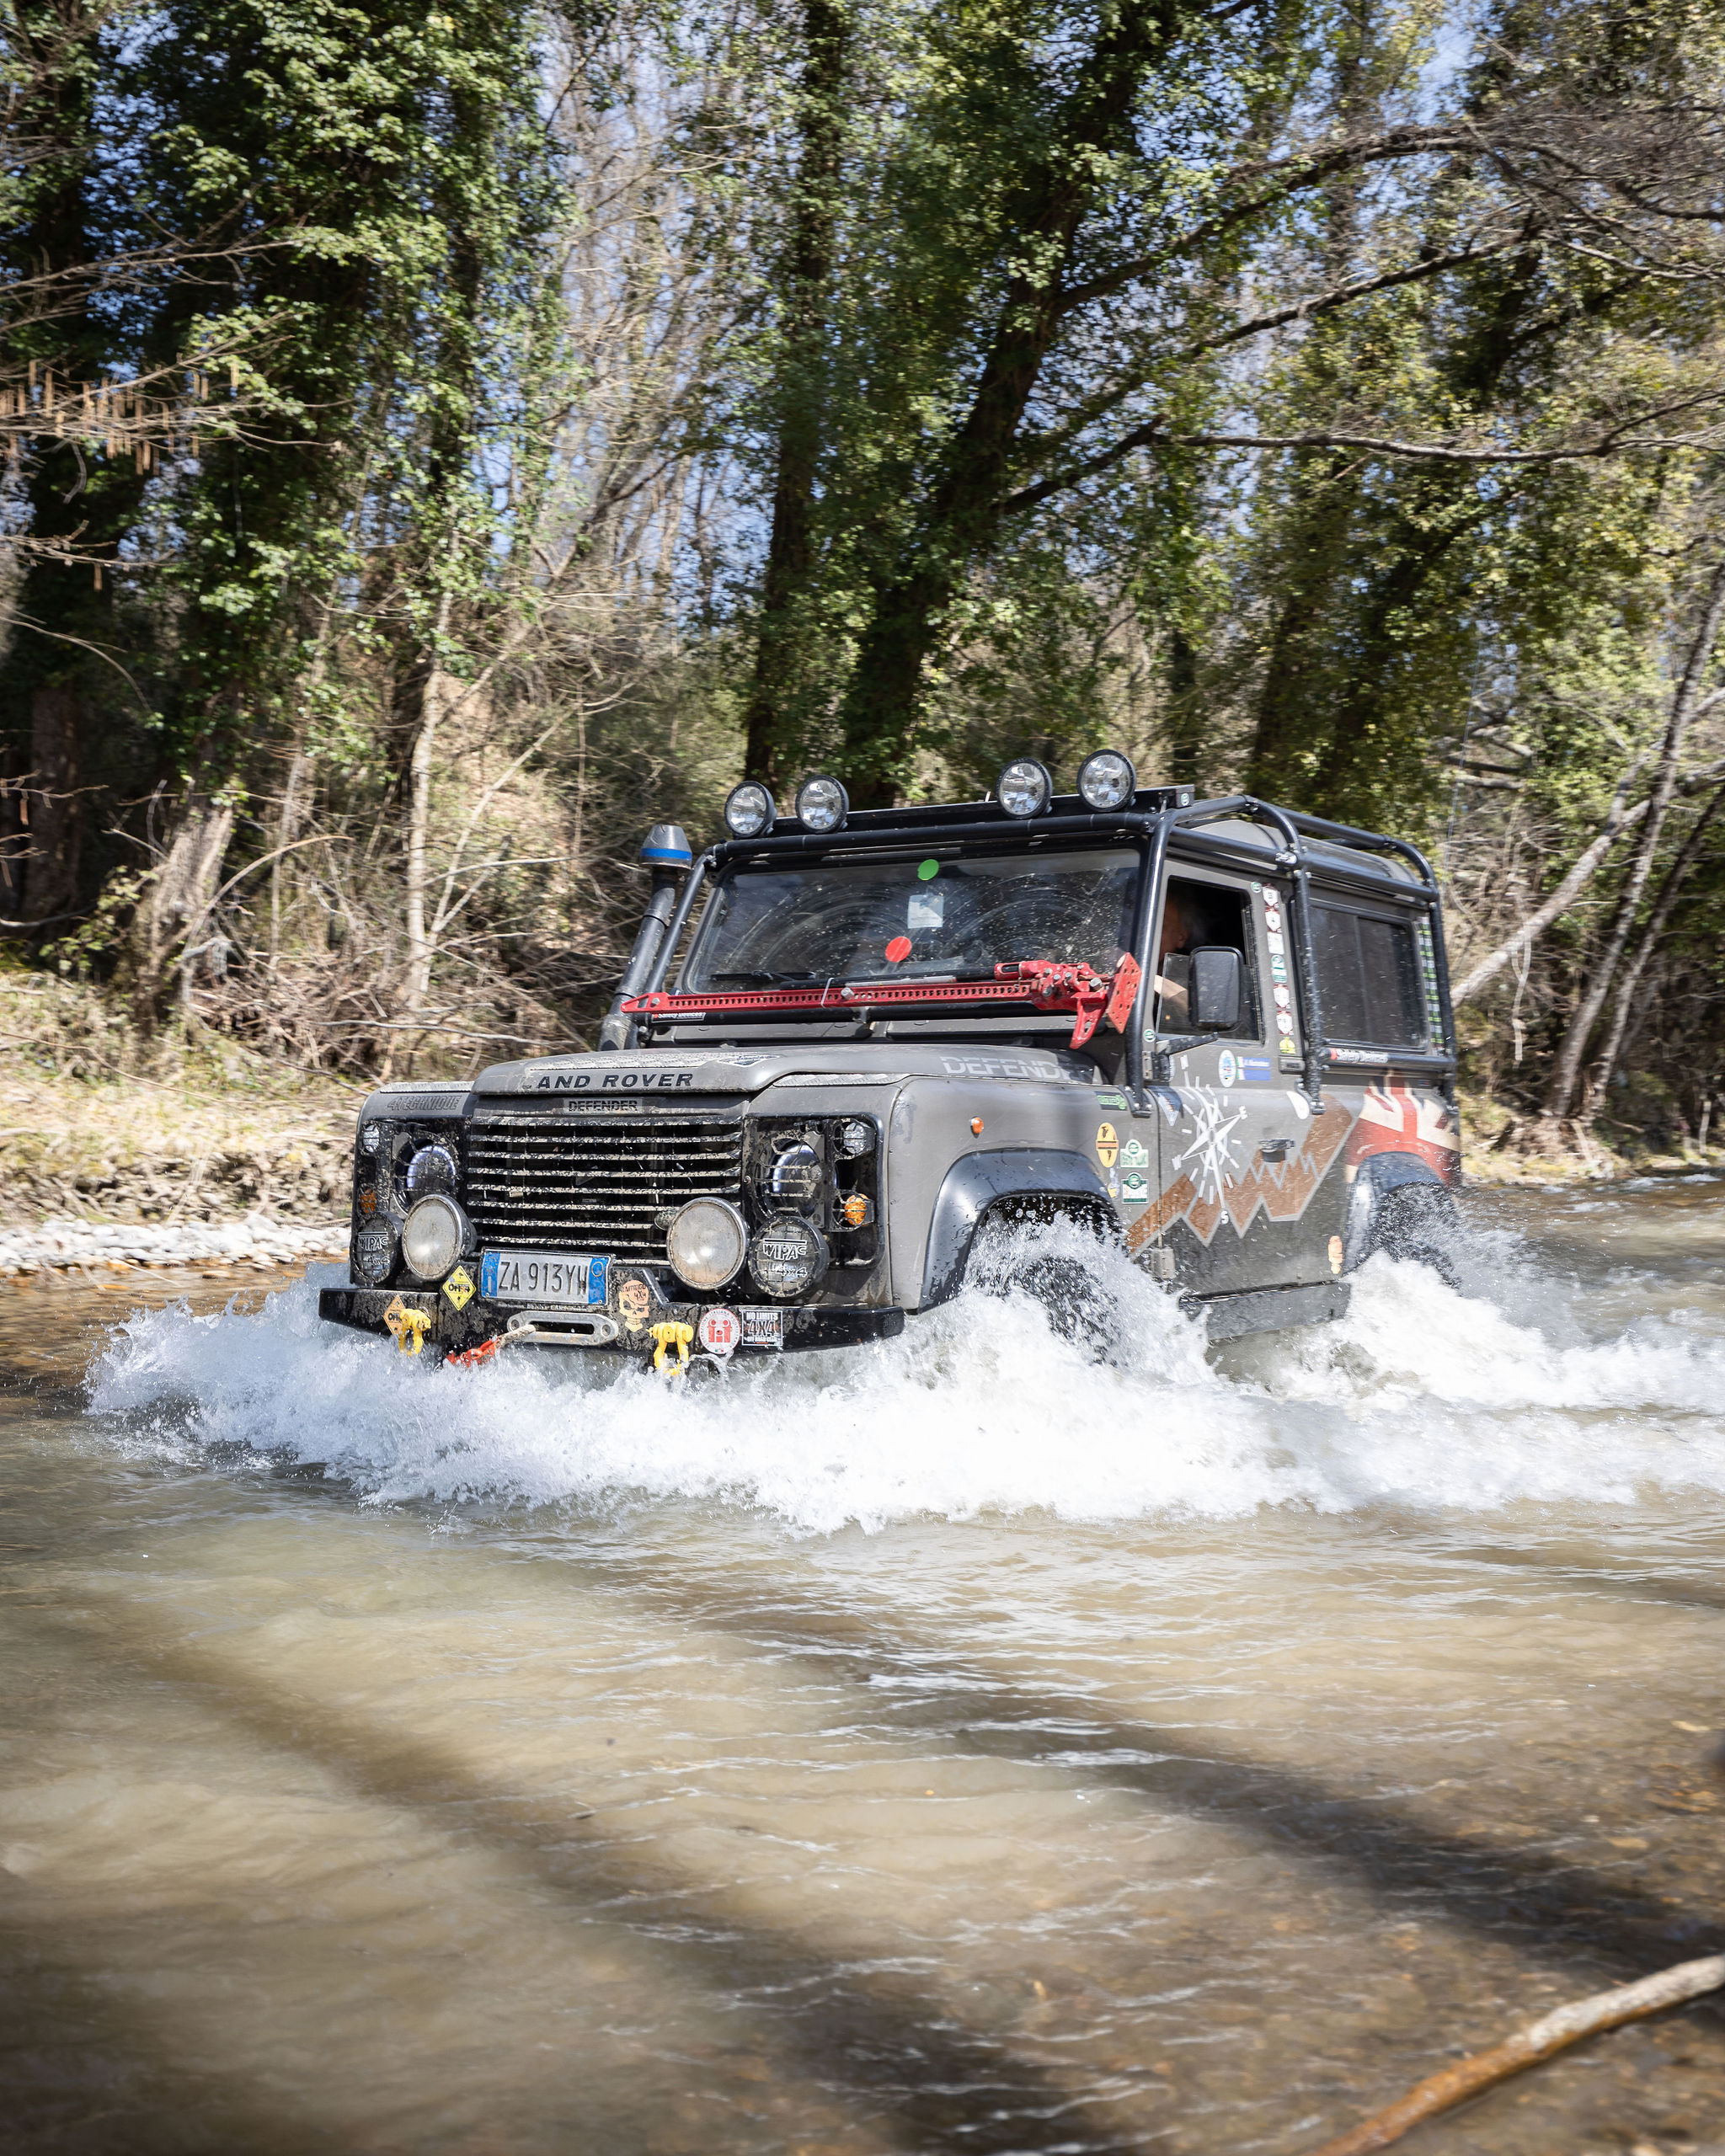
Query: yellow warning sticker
[[459, 1287], [1107, 1145]]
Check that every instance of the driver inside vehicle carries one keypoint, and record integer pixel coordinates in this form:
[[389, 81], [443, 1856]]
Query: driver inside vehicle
[[1174, 963]]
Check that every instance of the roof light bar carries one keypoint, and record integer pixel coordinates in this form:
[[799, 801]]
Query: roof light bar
[[822, 804], [749, 810], [1024, 788], [1107, 779]]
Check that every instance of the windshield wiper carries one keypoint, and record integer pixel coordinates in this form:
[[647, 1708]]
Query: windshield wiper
[[745, 978]]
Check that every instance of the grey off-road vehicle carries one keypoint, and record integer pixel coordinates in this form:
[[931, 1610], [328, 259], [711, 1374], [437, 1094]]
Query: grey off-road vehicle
[[848, 1046]]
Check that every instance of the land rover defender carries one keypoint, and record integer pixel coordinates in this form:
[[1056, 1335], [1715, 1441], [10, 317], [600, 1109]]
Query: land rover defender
[[848, 1044]]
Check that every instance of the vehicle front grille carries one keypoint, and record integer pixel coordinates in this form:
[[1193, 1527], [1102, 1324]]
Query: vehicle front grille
[[560, 1185]]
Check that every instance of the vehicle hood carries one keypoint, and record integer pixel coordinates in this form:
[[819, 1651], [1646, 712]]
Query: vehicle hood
[[659, 1072]]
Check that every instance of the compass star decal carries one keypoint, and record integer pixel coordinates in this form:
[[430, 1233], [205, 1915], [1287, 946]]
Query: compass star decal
[[1210, 1155]]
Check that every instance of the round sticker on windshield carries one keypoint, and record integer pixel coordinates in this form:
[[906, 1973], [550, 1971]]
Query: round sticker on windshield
[[899, 949], [1226, 1066], [926, 870]]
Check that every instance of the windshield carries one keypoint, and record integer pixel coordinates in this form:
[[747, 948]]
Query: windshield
[[913, 919]]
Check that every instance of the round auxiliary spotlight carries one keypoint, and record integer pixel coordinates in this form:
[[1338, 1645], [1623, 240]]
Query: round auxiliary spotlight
[[822, 804], [1107, 779], [1024, 788], [749, 810]]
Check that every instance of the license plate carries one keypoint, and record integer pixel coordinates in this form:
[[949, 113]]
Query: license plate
[[542, 1276]]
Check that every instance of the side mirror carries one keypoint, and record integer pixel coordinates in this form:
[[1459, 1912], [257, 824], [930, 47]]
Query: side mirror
[[1218, 988]]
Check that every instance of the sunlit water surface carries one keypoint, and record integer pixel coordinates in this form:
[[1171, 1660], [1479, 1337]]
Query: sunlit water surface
[[958, 1746]]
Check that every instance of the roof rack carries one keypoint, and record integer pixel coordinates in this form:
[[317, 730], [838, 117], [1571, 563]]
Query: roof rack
[[1155, 816]]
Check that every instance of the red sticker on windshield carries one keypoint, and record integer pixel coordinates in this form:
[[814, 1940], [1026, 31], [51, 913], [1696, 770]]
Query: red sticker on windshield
[[899, 948]]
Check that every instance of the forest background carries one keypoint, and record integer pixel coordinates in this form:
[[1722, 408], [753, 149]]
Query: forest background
[[440, 444]]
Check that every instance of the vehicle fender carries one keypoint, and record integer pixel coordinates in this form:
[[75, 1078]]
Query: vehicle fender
[[1377, 1176], [977, 1181]]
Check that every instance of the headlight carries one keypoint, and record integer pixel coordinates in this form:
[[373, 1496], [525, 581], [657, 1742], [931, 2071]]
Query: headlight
[[822, 804], [749, 810], [795, 1176], [707, 1242], [432, 1235], [431, 1170], [1024, 788], [789, 1255], [1107, 779], [374, 1252]]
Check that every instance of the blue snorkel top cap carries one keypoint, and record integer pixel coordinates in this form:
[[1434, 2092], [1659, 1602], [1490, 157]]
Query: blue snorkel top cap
[[666, 847]]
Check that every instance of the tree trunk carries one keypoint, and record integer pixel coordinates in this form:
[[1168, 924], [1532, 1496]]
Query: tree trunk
[[1560, 1096], [962, 521], [1623, 1002], [434, 700], [808, 272], [176, 905], [55, 821]]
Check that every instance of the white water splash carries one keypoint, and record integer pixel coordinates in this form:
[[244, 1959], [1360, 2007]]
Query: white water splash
[[1423, 1397]]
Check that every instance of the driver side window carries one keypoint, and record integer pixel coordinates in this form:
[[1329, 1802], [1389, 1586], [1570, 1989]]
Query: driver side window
[[1197, 916]]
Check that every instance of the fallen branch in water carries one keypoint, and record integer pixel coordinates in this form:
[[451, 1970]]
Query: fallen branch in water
[[1528, 2046]]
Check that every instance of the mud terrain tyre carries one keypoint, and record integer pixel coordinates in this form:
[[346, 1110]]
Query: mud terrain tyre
[[1077, 1307], [1417, 1224]]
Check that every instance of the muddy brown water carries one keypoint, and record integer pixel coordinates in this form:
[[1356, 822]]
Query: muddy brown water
[[966, 1747]]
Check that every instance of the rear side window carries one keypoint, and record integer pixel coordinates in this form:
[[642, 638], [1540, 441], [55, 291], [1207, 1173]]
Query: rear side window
[[1368, 978]]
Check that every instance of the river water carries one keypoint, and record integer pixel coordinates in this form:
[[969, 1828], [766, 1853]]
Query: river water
[[965, 1746]]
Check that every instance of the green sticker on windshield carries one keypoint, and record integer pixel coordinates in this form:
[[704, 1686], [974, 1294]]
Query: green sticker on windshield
[[927, 871]]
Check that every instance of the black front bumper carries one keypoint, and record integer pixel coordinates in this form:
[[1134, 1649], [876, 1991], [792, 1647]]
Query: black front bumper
[[366, 1309]]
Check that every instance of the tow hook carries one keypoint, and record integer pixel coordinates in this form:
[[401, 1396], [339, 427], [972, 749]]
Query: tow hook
[[408, 1326], [671, 1335]]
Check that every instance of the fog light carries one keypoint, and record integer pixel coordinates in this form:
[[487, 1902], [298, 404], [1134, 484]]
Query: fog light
[[371, 1137], [856, 1138], [707, 1242], [1024, 788], [374, 1252], [432, 1236], [1107, 779], [822, 804], [789, 1255], [432, 1170], [749, 810]]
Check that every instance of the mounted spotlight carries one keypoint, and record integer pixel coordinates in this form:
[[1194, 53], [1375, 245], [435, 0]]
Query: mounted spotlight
[[1024, 788], [1107, 779], [749, 810], [822, 804]]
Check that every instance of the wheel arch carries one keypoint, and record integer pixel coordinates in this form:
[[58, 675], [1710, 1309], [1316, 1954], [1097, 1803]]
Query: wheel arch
[[1043, 1180], [1377, 1176]]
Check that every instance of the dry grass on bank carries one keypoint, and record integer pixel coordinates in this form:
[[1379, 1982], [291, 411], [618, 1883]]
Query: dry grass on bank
[[93, 1128]]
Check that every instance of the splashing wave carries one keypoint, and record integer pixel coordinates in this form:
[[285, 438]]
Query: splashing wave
[[1423, 1397]]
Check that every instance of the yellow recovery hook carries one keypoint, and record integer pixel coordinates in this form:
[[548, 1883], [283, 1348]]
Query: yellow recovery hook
[[668, 1335]]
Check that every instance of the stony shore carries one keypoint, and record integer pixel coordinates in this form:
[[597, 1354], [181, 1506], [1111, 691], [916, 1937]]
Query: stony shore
[[216, 1168], [82, 1246]]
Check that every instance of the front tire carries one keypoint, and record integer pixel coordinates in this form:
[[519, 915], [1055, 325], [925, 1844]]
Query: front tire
[[1066, 1289]]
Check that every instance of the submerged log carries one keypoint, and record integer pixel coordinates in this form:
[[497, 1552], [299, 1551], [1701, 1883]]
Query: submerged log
[[1541, 2040]]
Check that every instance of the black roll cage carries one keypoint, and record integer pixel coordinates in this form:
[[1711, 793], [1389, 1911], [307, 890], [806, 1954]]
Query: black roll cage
[[1158, 823]]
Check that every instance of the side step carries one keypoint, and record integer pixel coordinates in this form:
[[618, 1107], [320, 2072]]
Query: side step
[[1269, 1310]]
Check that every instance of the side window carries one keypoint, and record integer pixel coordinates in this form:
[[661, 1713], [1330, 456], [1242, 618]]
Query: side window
[[1367, 976], [1195, 915]]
